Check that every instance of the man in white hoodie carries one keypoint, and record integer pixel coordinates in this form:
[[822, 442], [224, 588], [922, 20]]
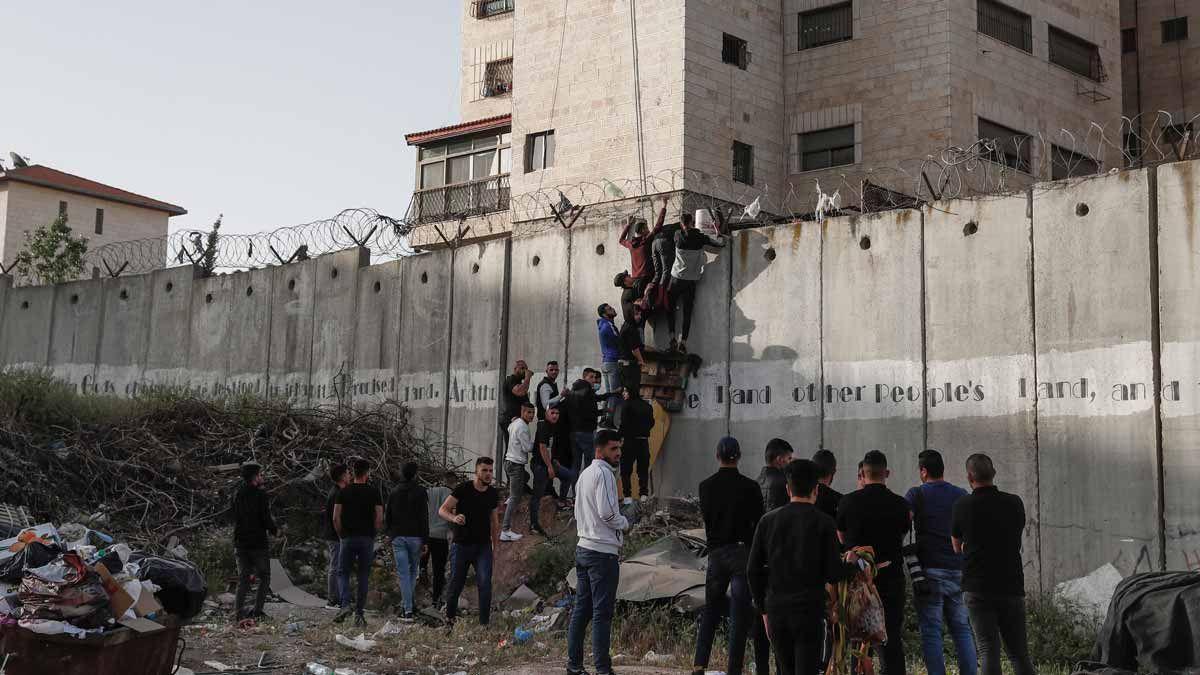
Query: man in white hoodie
[[601, 531]]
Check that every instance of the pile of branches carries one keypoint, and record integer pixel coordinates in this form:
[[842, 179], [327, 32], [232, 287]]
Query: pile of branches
[[154, 469]]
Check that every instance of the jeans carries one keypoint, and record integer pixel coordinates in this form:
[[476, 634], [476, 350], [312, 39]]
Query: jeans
[[945, 600], [762, 647], [357, 554], [996, 619], [584, 450], [541, 484], [566, 478], [636, 451], [517, 479], [408, 567], [463, 556], [611, 371], [333, 581], [891, 586], [595, 596], [662, 254], [439, 552], [798, 638], [253, 563], [682, 294], [726, 572]]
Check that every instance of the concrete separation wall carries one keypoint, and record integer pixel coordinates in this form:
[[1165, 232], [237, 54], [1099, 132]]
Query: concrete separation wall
[[1056, 331]]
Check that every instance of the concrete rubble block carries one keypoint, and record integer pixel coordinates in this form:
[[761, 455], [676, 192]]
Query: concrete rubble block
[[248, 338], [292, 310], [475, 350], [170, 326], [979, 345], [424, 339], [75, 342], [376, 334], [334, 321], [775, 312], [1096, 436], [871, 332], [208, 348], [124, 333], [25, 333], [1179, 291]]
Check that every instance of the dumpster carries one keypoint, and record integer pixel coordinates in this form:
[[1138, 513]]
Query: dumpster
[[123, 651]]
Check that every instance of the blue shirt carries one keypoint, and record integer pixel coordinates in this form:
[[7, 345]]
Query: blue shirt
[[933, 515], [610, 341]]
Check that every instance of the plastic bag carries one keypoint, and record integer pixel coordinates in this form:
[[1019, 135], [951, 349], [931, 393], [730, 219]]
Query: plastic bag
[[34, 554], [65, 590], [183, 586], [865, 617]]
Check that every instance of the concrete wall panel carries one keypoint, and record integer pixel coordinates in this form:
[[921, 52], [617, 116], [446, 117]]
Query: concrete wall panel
[[1096, 430], [25, 333], [377, 333], [873, 370], [424, 341], [334, 322], [475, 350], [979, 345], [537, 323], [208, 347], [124, 332], [1179, 298], [592, 275], [775, 319], [169, 326], [75, 341], [5, 289], [248, 337], [292, 309]]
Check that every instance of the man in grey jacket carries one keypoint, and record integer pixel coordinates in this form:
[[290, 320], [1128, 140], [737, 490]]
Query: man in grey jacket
[[686, 272], [601, 531]]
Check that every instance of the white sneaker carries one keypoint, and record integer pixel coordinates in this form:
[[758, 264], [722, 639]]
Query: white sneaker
[[628, 501], [644, 498], [509, 535]]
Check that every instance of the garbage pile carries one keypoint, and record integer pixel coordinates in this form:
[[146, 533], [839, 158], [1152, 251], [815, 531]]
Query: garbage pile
[[80, 582]]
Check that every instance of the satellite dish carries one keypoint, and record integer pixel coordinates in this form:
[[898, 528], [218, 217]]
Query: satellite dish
[[18, 161]]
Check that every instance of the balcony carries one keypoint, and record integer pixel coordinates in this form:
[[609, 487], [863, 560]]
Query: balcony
[[463, 200], [484, 9]]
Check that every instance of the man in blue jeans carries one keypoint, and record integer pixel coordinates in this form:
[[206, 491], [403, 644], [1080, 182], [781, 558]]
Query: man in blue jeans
[[583, 413], [471, 511], [408, 526], [601, 531], [933, 513], [357, 517]]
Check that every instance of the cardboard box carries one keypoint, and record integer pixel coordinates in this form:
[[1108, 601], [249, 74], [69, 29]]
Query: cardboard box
[[120, 600]]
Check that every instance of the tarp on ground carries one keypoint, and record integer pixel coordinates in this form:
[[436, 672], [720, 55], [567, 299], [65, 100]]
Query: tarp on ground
[[673, 568], [1153, 624]]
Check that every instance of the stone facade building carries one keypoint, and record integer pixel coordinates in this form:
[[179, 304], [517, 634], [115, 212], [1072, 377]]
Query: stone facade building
[[1161, 62], [765, 97], [33, 196]]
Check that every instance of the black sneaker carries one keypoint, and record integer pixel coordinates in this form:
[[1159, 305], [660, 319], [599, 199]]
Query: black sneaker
[[407, 617], [343, 615], [360, 621], [577, 672]]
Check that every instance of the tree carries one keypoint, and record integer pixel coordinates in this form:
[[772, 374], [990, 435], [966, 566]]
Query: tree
[[51, 254], [208, 252]]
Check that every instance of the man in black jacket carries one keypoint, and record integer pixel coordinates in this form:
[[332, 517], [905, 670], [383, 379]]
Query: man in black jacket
[[732, 506], [340, 475], [632, 351], [251, 523], [795, 553], [771, 479], [828, 499], [407, 519], [637, 420], [583, 411]]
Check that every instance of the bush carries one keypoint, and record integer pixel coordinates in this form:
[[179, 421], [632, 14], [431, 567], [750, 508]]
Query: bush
[[549, 563]]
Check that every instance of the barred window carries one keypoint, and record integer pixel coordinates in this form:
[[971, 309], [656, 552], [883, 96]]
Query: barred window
[[1066, 163], [735, 51], [483, 9], [743, 163], [1007, 146], [826, 25], [498, 78], [1174, 30], [826, 148], [1075, 54], [1005, 24]]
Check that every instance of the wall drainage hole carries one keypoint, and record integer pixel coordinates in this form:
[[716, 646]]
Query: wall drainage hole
[[864, 243], [970, 228], [769, 254], [1081, 209], [170, 287], [249, 291], [537, 260], [291, 284], [378, 286], [599, 249], [333, 273], [474, 268], [124, 294], [74, 299], [424, 277], [24, 304], [208, 299]]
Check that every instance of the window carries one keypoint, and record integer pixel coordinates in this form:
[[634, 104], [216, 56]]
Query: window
[[1065, 163], [462, 160], [539, 151], [735, 51], [1128, 40], [826, 25], [62, 209], [1174, 30], [498, 79], [1075, 54], [826, 148], [1005, 24], [482, 9], [743, 163], [1005, 146], [99, 221]]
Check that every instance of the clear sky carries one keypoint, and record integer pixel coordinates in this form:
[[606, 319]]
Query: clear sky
[[273, 113]]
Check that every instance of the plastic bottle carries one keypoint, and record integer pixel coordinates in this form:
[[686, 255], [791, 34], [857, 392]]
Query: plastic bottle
[[314, 668]]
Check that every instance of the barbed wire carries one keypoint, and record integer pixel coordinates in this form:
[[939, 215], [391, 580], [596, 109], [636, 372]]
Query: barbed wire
[[987, 167]]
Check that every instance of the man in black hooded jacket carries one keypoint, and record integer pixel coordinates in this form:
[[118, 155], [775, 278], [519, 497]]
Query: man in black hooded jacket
[[252, 522], [583, 412]]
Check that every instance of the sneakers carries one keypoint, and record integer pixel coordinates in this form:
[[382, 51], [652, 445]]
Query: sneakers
[[343, 615], [360, 621], [407, 617], [333, 607], [627, 501], [509, 535]]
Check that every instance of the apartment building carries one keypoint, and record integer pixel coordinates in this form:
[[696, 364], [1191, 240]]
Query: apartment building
[[762, 96], [1161, 64]]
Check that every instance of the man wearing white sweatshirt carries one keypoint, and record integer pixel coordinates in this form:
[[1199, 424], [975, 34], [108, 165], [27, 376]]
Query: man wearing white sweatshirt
[[601, 531]]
